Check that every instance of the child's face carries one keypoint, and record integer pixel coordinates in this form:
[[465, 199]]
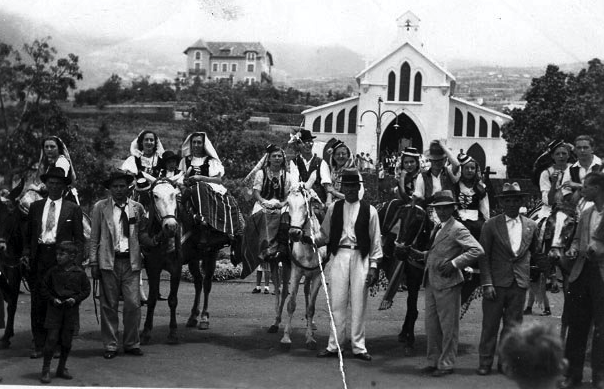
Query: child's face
[[64, 258], [171, 165]]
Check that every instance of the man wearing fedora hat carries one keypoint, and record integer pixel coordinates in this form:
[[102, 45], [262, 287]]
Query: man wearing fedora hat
[[509, 240], [452, 248], [439, 177], [119, 228], [49, 221], [309, 165], [351, 232]]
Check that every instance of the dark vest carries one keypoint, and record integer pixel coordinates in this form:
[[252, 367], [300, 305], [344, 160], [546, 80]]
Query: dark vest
[[315, 165], [361, 228], [154, 171], [445, 183], [574, 172], [273, 188], [410, 182], [469, 202], [202, 170]]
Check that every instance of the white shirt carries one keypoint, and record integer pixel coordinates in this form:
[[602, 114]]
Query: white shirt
[[50, 237], [472, 214], [514, 232], [323, 169], [121, 244], [582, 173], [148, 163], [420, 186]]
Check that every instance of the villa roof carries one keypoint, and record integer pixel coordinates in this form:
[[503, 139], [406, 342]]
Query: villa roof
[[230, 49]]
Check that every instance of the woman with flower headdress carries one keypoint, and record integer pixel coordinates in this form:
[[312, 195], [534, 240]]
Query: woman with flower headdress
[[54, 153], [410, 169], [145, 155]]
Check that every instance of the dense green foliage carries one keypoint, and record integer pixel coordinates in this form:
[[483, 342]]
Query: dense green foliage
[[559, 106]]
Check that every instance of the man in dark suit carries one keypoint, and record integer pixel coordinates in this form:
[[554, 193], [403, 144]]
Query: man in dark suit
[[49, 221], [452, 249], [508, 241], [586, 288]]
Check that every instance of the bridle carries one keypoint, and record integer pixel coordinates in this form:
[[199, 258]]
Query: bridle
[[159, 217]]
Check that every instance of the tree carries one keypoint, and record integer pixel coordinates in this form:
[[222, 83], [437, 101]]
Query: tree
[[29, 91], [559, 106]]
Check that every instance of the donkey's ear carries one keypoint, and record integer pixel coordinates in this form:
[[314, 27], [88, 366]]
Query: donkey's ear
[[16, 191], [149, 177]]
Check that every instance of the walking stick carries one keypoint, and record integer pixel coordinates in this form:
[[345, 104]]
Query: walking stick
[[95, 289]]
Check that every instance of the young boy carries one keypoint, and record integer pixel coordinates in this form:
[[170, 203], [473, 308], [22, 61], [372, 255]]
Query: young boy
[[64, 287]]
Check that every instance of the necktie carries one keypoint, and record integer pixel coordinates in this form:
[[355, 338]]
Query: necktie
[[50, 219], [124, 221], [436, 229]]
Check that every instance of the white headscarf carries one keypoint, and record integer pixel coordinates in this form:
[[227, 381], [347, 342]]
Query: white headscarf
[[135, 151], [43, 161], [208, 147]]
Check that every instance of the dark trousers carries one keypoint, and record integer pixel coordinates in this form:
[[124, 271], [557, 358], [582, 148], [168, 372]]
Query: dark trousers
[[508, 305], [586, 304], [46, 257]]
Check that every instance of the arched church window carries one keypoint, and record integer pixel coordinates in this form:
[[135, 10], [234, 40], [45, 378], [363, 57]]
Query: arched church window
[[403, 94], [458, 128], [316, 124], [352, 120], [483, 128], [340, 122], [417, 87], [391, 86], [471, 126], [329, 123], [495, 131]]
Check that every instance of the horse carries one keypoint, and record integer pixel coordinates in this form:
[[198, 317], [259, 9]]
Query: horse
[[12, 269], [163, 217], [404, 224], [305, 260], [210, 222]]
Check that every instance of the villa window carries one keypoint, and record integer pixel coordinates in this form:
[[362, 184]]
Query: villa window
[[233, 67], [251, 56], [198, 55], [250, 68], [214, 67], [225, 67]]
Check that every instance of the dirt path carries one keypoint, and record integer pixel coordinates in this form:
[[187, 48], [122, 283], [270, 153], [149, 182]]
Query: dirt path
[[237, 351]]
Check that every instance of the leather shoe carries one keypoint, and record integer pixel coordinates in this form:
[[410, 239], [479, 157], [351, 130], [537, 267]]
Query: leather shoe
[[483, 370], [134, 351], [327, 354], [109, 354], [569, 382], [64, 374], [442, 372], [363, 356]]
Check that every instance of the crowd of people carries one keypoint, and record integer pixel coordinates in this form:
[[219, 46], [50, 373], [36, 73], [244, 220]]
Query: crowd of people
[[451, 189]]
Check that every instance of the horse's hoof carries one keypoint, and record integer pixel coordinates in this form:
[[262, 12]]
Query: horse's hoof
[[409, 351], [204, 322], [285, 346], [273, 329], [191, 323], [311, 345]]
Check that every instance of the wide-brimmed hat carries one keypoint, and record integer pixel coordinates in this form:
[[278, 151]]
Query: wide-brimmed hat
[[169, 155], [436, 152], [142, 184], [464, 158], [553, 145], [510, 190], [350, 177], [306, 136], [116, 174], [411, 152], [55, 172], [444, 197]]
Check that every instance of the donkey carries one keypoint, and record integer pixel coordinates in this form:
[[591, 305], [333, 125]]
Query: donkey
[[305, 259], [163, 217]]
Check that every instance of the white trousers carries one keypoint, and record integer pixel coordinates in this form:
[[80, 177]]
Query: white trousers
[[347, 284]]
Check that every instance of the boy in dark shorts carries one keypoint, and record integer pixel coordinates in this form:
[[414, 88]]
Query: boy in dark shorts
[[65, 286]]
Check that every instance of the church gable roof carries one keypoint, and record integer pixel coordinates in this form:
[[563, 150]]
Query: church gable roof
[[420, 52]]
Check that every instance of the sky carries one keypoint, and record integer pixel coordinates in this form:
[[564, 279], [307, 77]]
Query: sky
[[506, 32]]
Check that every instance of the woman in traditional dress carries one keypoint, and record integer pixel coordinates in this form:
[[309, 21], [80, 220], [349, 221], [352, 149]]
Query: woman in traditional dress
[[145, 155], [341, 158], [410, 169], [54, 153], [200, 162], [471, 194], [550, 180]]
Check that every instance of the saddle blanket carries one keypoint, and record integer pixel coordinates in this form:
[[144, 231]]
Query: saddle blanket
[[220, 211]]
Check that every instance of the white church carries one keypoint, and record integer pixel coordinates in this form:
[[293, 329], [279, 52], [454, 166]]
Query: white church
[[415, 99]]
